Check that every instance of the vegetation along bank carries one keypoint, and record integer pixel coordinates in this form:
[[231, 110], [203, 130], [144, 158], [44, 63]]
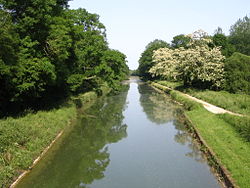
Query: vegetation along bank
[[49, 56]]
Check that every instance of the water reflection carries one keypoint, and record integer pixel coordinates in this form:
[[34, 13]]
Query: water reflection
[[157, 106], [150, 156], [160, 109], [183, 137], [83, 155]]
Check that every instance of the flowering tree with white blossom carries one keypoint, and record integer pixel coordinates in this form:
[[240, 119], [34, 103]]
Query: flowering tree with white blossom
[[198, 64]]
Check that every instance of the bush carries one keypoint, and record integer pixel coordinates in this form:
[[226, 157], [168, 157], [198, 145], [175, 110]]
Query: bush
[[237, 69]]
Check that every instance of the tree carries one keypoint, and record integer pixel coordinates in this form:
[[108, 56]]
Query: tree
[[88, 45], [218, 31], [240, 35], [237, 76], [199, 65], [222, 41], [8, 58], [180, 41], [145, 61], [113, 68], [48, 51]]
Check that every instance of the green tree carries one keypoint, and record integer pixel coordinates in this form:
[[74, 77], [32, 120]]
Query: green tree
[[88, 45], [237, 69], [180, 41], [34, 72], [48, 51], [113, 68], [240, 35], [146, 61], [222, 41], [8, 58]]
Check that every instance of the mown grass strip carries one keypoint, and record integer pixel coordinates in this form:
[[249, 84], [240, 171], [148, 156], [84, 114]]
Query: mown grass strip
[[229, 147]]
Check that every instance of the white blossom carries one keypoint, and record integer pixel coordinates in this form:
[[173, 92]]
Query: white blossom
[[197, 63]]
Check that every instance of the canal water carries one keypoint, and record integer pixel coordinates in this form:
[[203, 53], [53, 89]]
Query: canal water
[[131, 140]]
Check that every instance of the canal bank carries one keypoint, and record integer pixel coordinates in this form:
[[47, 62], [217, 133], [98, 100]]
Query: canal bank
[[227, 152], [35, 134], [133, 139]]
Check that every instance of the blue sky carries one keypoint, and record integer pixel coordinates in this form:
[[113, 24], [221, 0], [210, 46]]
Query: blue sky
[[132, 24]]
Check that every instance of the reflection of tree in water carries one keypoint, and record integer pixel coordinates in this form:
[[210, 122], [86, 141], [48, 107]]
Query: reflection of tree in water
[[83, 156], [157, 106], [159, 109], [182, 136]]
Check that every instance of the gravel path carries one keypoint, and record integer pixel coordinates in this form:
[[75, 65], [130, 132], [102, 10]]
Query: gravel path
[[210, 107]]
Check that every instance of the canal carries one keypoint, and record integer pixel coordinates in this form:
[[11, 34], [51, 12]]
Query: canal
[[131, 140]]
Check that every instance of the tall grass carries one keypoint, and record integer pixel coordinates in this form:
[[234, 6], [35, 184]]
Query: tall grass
[[241, 124], [239, 103], [23, 139]]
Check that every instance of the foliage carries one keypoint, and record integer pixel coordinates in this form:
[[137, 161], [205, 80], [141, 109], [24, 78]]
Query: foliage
[[222, 41], [48, 50], [112, 67], [145, 61], [237, 69], [134, 72], [240, 35], [181, 41], [198, 65]]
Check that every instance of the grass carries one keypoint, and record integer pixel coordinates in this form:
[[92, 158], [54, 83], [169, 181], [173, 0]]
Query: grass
[[24, 138], [239, 103], [222, 136], [173, 85], [241, 124], [229, 147]]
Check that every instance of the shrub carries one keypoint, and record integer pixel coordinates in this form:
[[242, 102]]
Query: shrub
[[237, 69]]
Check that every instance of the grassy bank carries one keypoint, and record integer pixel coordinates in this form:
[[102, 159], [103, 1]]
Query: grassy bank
[[239, 103], [230, 148], [23, 139]]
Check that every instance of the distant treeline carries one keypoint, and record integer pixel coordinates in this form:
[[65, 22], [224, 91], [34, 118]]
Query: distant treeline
[[202, 61], [48, 52]]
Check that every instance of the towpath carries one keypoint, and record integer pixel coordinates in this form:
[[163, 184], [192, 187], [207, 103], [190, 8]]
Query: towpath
[[210, 107]]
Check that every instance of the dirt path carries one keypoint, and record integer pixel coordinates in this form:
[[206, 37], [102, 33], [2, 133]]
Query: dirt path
[[211, 108]]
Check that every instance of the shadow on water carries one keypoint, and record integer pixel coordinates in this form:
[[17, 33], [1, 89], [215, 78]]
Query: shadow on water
[[83, 155]]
